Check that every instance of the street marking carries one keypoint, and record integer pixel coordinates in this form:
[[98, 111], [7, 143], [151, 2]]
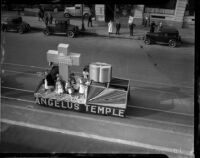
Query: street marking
[[97, 137], [165, 111], [17, 89], [93, 119], [24, 65], [155, 83], [130, 106], [18, 99], [29, 73]]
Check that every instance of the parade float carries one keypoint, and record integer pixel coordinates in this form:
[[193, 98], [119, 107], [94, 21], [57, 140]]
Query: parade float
[[94, 91]]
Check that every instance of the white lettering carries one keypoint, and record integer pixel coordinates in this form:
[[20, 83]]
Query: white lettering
[[37, 100], [114, 112], [76, 106], [70, 105], [50, 102], [108, 110], [121, 112], [87, 107], [63, 105], [57, 104], [100, 110], [93, 109], [43, 101]]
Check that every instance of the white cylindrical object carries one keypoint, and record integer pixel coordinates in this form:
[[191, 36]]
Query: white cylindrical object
[[105, 73], [94, 70]]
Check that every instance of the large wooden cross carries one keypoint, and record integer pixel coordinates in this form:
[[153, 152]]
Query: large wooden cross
[[64, 59]]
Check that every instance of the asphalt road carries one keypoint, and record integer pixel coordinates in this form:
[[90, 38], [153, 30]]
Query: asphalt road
[[161, 87]]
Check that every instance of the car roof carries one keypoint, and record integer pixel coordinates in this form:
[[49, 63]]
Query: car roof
[[62, 19], [169, 30], [13, 17]]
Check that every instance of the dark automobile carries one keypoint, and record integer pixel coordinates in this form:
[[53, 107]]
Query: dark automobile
[[168, 36], [15, 23], [62, 25]]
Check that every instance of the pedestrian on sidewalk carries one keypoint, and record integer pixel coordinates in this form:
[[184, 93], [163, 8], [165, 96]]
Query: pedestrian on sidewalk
[[110, 27], [118, 26], [146, 20], [46, 19], [50, 17], [152, 27], [131, 25], [40, 13], [90, 20]]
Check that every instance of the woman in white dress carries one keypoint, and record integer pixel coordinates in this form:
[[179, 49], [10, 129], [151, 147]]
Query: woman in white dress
[[110, 27]]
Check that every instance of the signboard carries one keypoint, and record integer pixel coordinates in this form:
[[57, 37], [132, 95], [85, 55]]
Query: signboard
[[100, 12], [67, 105]]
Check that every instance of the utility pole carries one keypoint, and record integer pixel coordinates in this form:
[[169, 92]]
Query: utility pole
[[83, 27]]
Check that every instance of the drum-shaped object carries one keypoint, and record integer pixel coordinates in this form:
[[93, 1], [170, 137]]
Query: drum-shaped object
[[94, 70], [100, 72]]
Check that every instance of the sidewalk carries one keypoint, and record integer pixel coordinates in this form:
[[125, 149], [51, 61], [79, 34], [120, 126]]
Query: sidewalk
[[100, 28]]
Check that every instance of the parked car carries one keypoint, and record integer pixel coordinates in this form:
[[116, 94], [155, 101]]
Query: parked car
[[166, 35], [77, 11], [15, 23], [62, 25]]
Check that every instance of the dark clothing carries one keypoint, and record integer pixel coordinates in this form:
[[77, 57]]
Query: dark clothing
[[118, 26], [152, 27], [50, 18], [50, 82], [90, 20], [131, 29], [54, 71]]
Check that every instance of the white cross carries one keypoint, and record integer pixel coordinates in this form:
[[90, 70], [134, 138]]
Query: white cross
[[63, 59]]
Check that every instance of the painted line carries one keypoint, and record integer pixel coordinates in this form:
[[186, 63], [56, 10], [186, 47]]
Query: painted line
[[97, 137], [28, 73], [165, 111], [24, 65], [18, 99], [156, 90], [18, 89], [131, 106], [155, 83], [159, 83], [30, 108]]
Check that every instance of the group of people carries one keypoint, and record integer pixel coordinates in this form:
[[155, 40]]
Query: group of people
[[52, 81], [118, 26], [45, 16]]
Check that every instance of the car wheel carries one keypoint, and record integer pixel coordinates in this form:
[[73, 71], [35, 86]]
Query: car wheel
[[70, 34], [172, 43], [21, 30], [66, 15], [46, 32], [147, 41]]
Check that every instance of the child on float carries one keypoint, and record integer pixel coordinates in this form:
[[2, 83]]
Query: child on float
[[59, 87]]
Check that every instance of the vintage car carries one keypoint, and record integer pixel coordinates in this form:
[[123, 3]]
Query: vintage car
[[62, 25], [15, 23], [166, 35], [77, 11]]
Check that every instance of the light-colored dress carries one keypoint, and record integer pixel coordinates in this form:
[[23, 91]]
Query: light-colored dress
[[110, 27]]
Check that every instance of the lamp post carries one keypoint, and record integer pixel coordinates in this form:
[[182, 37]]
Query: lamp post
[[83, 27]]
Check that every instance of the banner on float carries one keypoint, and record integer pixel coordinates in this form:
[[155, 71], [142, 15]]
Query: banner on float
[[94, 109]]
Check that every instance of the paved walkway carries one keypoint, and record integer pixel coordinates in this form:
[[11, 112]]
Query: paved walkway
[[100, 29]]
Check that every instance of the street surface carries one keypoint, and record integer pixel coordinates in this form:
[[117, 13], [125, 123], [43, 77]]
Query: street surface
[[160, 111]]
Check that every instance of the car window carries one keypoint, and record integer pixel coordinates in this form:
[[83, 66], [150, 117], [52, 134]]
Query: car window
[[77, 7]]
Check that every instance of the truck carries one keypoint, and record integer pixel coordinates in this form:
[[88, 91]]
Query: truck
[[76, 10]]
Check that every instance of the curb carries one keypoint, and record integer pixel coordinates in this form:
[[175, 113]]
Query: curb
[[136, 37]]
